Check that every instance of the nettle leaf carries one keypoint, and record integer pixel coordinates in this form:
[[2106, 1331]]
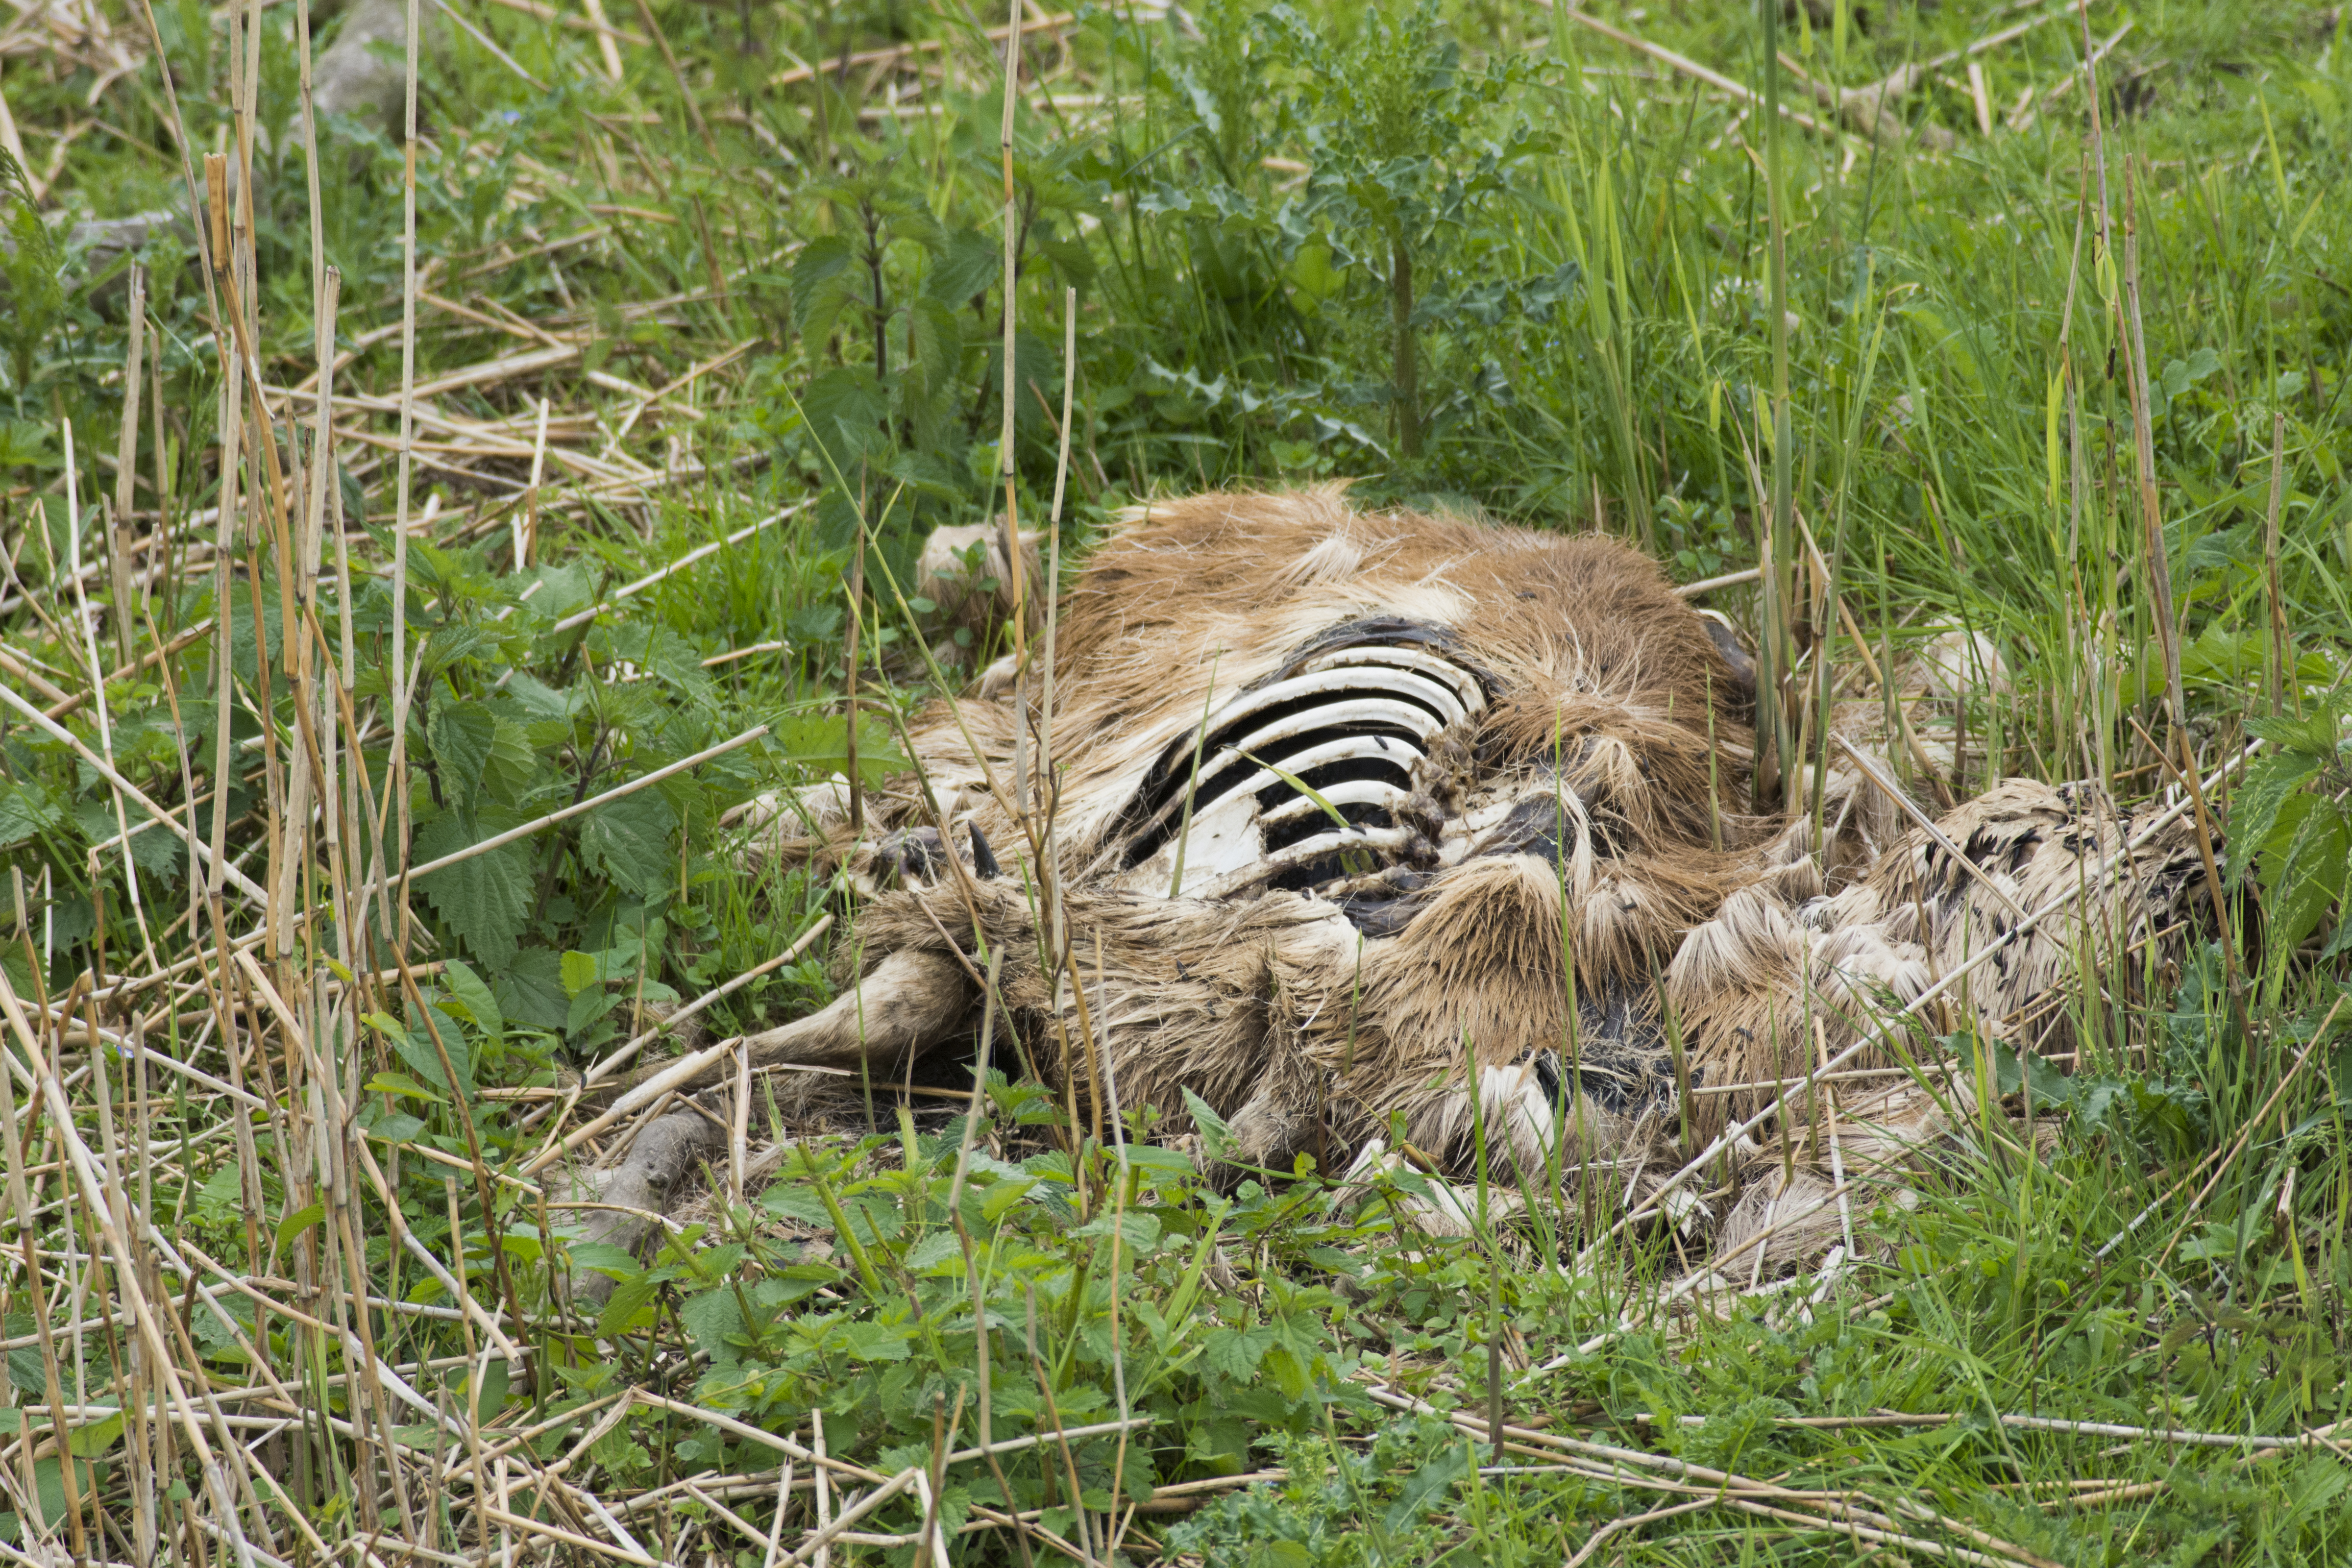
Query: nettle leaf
[[156, 851], [485, 898], [937, 352], [926, 474], [453, 645], [28, 810], [819, 283], [2314, 737], [461, 734], [820, 745], [2306, 879], [874, 1341], [629, 840], [969, 263], [631, 1297], [531, 989], [713, 1319], [938, 1252], [512, 766], [2270, 782], [1237, 1351], [846, 408]]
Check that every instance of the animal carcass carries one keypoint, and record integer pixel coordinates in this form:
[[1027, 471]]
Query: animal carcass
[[1352, 815]]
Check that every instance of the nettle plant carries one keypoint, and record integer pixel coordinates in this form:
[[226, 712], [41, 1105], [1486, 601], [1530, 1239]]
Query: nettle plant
[[846, 1287], [1316, 192], [2291, 826], [890, 409], [514, 716]]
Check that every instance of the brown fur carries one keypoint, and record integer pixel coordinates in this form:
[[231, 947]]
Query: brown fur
[[1576, 836]]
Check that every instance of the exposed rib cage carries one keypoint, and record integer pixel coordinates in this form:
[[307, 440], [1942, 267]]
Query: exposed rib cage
[[1354, 718]]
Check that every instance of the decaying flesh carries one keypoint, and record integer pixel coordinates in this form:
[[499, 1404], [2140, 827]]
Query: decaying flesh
[[1353, 811]]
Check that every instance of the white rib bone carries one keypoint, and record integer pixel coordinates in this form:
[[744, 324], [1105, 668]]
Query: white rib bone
[[1358, 711], [1305, 849], [1348, 748], [1452, 676], [1448, 706], [1353, 792]]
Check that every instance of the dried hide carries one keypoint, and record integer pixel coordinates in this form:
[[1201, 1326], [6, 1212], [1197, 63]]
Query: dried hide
[[1354, 810]]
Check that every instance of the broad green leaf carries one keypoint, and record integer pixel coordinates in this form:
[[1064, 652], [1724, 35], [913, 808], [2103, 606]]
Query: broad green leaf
[[846, 408], [581, 971], [820, 745], [28, 810], [604, 1258], [392, 1127], [1216, 1138], [2311, 874], [587, 1007], [1140, 1233], [415, 1047], [462, 733], [818, 285], [936, 1251], [712, 1318], [89, 1442], [629, 1297], [512, 767], [50, 1486], [938, 343], [468, 991], [875, 1341], [630, 841], [970, 263], [2270, 782], [495, 1378], [485, 898], [391, 1082], [1236, 1352], [791, 1200], [301, 1220], [530, 988], [1003, 1195]]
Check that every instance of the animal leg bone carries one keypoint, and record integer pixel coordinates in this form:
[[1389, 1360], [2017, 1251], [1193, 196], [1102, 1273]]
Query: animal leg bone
[[912, 1000]]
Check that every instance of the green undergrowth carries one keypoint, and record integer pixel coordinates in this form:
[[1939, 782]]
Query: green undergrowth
[[1463, 255]]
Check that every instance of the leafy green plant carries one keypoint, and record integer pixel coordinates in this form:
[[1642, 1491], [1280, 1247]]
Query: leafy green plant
[[2293, 828]]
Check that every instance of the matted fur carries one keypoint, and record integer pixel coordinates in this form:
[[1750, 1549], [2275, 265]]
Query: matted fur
[[1569, 888]]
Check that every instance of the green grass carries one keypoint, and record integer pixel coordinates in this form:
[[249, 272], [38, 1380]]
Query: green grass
[[1589, 338]]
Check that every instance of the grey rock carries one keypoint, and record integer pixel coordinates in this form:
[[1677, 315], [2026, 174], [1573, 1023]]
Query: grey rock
[[363, 73]]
